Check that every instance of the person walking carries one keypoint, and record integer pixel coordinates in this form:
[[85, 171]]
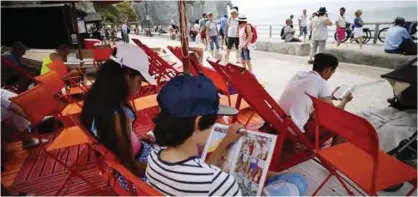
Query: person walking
[[202, 24], [222, 22], [125, 33], [303, 25], [212, 34], [358, 28], [319, 26], [341, 26], [245, 36], [232, 35]]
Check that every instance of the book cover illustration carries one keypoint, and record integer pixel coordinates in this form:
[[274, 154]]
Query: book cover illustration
[[248, 159]]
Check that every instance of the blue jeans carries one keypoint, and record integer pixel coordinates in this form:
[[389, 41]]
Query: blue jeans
[[214, 40]]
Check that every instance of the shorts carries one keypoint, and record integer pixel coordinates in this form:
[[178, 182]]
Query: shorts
[[245, 54], [340, 33], [202, 35], [214, 40], [222, 33], [232, 41], [358, 32], [142, 156], [304, 30]]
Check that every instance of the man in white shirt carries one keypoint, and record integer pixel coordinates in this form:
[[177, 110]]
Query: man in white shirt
[[340, 23], [303, 25], [294, 100], [12, 113], [319, 27]]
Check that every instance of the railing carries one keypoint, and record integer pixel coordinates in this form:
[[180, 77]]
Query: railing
[[273, 30]]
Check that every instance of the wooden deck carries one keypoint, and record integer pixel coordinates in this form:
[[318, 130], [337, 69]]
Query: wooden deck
[[31, 171]]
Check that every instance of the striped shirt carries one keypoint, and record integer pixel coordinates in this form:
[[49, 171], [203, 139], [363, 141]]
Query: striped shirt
[[191, 177]]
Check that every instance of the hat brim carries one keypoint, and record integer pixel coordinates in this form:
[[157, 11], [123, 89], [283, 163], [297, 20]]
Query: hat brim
[[148, 78], [227, 111]]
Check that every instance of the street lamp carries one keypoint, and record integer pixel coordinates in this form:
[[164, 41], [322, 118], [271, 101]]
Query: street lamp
[[148, 33]]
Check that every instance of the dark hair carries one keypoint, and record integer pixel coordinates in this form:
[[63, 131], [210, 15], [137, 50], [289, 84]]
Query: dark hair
[[235, 7], [399, 21], [342, 8], [242, 22], [107, 98], [172, 131], [204, 15], [62, 47], [323, 61]]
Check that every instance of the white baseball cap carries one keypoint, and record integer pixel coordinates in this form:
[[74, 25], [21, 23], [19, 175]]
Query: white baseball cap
[[135, 58]]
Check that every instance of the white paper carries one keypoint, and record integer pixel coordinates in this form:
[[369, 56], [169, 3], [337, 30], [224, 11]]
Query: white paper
[[342, 91]]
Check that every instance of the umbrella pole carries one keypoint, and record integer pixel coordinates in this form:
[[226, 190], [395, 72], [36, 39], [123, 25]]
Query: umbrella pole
[[75, 26], [184, 36]]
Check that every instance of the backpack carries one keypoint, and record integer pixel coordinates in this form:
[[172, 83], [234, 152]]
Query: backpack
[[255, 36], [282, 33]]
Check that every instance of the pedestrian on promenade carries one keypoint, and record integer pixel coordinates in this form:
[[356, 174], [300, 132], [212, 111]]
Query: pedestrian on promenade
[[202, 24], [125, 33], [319, 27], [341, 26], [303, 25], [232, 34], [245, 46], [289, 33], [222, 22], [212, 34], [358, 28]]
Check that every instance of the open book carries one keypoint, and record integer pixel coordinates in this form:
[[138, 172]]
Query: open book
[[342, 91], [248, 159]]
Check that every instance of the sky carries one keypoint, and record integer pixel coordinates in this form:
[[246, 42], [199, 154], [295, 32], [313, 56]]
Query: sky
[[277, 10]]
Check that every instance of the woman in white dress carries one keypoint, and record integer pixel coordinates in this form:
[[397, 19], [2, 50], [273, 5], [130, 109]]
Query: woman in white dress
[[358, 28]]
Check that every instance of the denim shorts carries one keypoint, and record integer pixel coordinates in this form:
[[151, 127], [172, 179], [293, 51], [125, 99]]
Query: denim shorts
[[214, 41], [245, 54]]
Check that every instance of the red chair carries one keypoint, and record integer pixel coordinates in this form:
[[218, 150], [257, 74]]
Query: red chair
[[108, 163], [37, 103], [360, 159], [6, 62], [161, 70], [260, 100], [77, 85], [101, 54]]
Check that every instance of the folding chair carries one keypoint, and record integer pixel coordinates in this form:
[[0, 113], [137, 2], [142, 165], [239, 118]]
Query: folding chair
[[109, 164], [77, 84], [37, 103], [21, 72], [55, 85], [101, 54], [159, 68], [360, 158], [257, 97]]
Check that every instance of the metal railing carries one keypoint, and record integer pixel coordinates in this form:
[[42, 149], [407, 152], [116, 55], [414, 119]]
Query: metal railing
[[273, 30]]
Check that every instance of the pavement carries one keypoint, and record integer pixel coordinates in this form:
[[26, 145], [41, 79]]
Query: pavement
[[275, 70]]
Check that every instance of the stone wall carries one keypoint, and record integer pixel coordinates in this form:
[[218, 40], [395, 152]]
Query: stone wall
[[162, 12]]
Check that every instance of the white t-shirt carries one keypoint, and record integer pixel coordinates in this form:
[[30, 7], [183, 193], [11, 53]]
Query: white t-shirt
[[191, 177], [232, 28], [319, 28], [303, 20], [341, 21], [5, 96], [296, 103]]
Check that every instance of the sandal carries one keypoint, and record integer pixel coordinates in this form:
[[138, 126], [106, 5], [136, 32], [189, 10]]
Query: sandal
[[33, 143]]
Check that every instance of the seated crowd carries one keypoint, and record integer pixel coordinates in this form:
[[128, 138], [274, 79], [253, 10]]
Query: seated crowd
[[189, 107]]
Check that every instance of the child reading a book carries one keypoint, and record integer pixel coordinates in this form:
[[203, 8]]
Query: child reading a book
[[189, 108]]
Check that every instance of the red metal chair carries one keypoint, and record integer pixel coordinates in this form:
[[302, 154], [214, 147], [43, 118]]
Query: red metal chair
[[108, 163], [101, 54], [257, 97], [360, 159], [159, 68], [77, 85], [21, 73], [37, 103]]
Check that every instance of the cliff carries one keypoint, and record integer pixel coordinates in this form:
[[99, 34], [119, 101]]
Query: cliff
[[162, 12]]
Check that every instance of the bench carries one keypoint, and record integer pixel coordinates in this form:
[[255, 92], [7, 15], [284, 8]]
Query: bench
[[279, 46]]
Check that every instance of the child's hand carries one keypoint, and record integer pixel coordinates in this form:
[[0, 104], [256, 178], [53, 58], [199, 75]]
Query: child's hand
[[233, 133]]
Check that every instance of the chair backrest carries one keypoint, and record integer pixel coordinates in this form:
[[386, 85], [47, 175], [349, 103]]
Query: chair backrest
[[6, 62], [142, 188], [52, 81], [353, 128], [59, 67], [196, 68], [102, 54], [37, 103]]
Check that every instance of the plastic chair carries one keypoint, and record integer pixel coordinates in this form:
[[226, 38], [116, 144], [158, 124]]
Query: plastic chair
[[109, 160], [267, 108], [360, 158], [161, 70], [37, 103], [101, 54]]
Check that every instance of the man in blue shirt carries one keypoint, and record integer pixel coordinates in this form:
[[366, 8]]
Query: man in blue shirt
[[125, 33], [10, 75], [398, 40], [222, 21]]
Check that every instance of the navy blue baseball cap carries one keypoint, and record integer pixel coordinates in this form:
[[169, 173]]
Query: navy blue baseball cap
[[191, 96]]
